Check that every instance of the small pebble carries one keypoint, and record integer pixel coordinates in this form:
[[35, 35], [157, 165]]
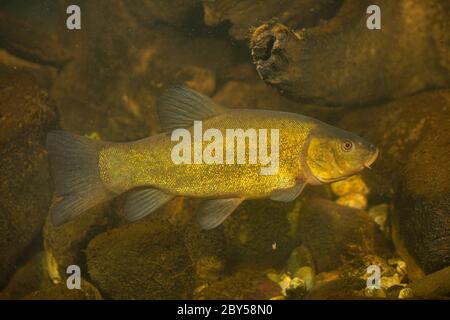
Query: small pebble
[[307, 275], [374, 292], [353, 200], [379, 214], [353, 184], [406, 293]]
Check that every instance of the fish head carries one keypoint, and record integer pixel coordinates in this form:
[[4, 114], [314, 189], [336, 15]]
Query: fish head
[[334, 154]]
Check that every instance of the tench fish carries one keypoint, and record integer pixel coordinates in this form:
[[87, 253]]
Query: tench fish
[[222, 155]]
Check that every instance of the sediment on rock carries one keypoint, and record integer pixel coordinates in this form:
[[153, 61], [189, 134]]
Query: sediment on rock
[[26, 114], [243, 16], [342, 63]]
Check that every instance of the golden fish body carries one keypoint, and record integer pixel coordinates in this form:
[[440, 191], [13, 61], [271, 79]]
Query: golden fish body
[[277, 156], [148, 162]]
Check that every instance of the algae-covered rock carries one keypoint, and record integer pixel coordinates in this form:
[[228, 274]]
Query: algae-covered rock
[[142, 260], [26, 114], [175, 12], [250, 92], [343, 63], [422, 204], [337, 234], [338, 289], [60, 292], [436, 284], [300, 257], [396, 128], [412, 135], [349, 281], [262, 233], [242, 285], [243, 15], [133, 64], [380, 214], [37, 30], [353, 184], [30, 277], [206, 250], [64, 245], [259, 233]]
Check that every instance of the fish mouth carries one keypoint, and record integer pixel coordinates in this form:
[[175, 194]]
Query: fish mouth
[[372, 159]]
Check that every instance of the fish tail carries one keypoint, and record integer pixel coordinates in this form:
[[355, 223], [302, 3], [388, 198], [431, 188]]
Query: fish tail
[[74, 168]]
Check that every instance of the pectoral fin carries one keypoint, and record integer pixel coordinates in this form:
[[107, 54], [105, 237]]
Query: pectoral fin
[[213, 212], [289, 194], [141, 203]]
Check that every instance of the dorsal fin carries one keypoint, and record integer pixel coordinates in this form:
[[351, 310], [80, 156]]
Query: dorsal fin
[[179, 107]]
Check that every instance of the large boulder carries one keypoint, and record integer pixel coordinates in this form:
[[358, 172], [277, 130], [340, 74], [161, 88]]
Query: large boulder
[[142, 260], [337, 234], [26, 114], [342, 62], [50, 43], [245, 15], [120, 67], [412, 134], [242, 285], [422, 204]]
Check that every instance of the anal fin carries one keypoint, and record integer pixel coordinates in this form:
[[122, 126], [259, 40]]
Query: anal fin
[[213, 212], [141, 203]]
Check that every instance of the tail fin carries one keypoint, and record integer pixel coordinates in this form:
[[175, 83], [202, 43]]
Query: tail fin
[[74, 168]]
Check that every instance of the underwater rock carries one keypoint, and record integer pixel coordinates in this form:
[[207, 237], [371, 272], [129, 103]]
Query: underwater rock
[[251, 92], [242, 285], [174, 12], [294, 286], [141, 260], [259, 234], [421, 212], [263, 233], [406, 293], [433, 285], [396, 128], [336, 234], [353, 200], [133, 64], [200, 79], [65, 245], [206, 250], [26, 114], [30, 277], [340, 288], [393, 273], [412, 169], [353, 184], [374, 292], [61, 292], [44, 75], [379, 214], [300, 257], [350, 280], [362, 66], [37, 31], [352, 192], [247, 14]]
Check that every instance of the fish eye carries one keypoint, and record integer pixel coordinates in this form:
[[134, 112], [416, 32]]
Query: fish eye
[[347, 146]]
